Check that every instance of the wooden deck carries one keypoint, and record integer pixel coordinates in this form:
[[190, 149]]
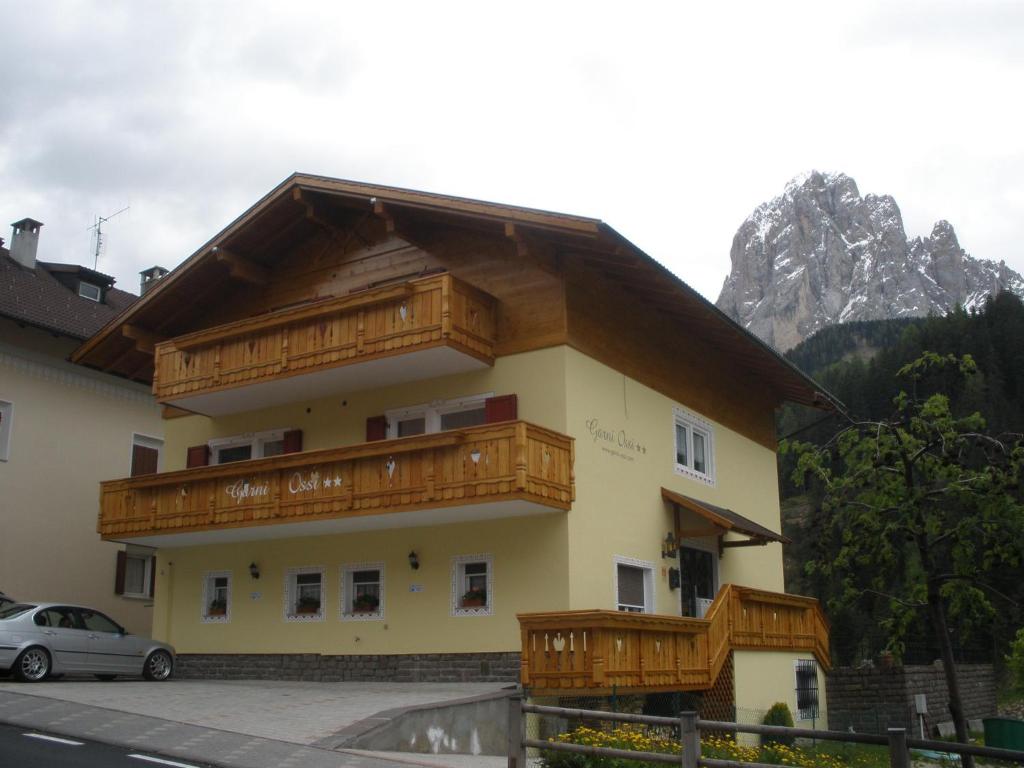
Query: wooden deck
[[370, 325], [594, 652], [507, 461]]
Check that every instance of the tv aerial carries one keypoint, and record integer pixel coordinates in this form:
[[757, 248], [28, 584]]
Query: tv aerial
[[98, 226]]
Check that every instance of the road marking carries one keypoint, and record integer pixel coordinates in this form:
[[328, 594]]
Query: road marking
[[43, 737], [161, 761]]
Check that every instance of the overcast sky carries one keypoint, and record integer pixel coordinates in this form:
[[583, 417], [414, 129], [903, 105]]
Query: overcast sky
[[671, 121]]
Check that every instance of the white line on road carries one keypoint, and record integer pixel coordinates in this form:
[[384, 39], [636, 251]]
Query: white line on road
[[161, 761], [44, 737]]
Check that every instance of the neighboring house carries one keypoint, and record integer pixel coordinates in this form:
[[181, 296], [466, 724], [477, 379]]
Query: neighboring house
[[404, 418], [62, 429]]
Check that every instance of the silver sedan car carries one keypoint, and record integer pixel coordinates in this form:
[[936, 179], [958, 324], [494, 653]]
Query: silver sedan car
[[40, 639]]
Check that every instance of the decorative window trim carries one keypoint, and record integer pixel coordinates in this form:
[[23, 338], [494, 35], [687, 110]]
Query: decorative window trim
[[85, 290], [291, 588], [346, 588], [647, 567], [256, 440], [6, 426], [457, 575], [694, 423], [431, 412], [208, 579]]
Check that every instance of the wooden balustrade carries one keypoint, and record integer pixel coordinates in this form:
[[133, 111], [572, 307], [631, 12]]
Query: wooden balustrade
[[600, 651], [491, 463], [416, 315]]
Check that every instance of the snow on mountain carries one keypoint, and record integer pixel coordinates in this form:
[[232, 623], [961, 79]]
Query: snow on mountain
[[821, 254]]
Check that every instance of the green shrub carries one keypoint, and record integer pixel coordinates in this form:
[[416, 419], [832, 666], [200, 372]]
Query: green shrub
[[1015, 661], [778, 714]]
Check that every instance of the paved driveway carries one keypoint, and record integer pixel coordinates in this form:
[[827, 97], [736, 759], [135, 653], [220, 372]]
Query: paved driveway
[[300, 713]]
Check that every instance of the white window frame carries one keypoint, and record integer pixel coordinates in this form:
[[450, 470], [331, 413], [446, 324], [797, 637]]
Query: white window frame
[[291, 591], [431, 412], [208, 590], [147, 441], [347, 590], [6, 427], [99, 291], [458, 577], [694, 424], [256, 440], [647, 567], [147, 557]]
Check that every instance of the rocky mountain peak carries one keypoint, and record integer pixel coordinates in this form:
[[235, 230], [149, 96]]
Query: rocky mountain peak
[[820, 253]]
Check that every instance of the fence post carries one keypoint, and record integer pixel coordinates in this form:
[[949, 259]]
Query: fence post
[[689, 739], [516, 732], [899, 755]]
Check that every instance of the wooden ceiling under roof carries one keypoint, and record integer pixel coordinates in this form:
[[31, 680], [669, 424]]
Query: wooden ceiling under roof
[[304, 205]]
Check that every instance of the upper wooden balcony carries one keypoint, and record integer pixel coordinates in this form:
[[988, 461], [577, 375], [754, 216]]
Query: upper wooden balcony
[[422, 328], [505, 469], [596, 652]]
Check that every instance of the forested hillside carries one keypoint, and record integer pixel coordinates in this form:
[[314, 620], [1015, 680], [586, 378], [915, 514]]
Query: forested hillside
[[858, 363]]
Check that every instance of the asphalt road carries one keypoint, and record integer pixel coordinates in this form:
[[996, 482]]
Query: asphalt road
[[21, 748]]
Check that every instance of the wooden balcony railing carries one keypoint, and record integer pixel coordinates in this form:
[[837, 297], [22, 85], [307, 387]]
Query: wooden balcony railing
[[491, 463], [416, 315], [600, 651]]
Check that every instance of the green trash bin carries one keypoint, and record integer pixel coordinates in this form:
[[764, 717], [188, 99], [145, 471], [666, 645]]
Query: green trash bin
[[1005, 732]]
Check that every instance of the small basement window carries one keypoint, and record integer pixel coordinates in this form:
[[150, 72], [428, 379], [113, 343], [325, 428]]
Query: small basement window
[[89, 291]]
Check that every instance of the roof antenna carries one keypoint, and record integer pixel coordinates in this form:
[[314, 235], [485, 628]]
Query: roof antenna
[[98, 237]]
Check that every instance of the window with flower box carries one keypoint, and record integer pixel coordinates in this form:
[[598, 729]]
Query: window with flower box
[[362, 591], [473, 585], [304, 594], [217, 597]]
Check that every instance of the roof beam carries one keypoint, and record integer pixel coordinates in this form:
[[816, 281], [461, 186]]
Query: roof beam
[[145, 341], [241, 268]]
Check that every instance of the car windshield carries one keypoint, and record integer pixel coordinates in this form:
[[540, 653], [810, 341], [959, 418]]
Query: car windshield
[[13, 611]]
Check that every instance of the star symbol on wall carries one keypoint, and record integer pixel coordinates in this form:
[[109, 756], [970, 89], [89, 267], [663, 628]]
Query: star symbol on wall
[[337, 480], [327, 482]]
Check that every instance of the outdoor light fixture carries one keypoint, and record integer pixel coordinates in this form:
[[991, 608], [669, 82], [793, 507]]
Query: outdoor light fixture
[[669, 548], [414, 560], [254, 570]]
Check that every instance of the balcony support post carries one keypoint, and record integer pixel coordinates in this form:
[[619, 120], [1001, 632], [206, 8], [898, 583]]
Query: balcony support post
[[521, 456]]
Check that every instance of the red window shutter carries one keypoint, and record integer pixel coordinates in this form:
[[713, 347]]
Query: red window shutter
[[293, 441], [198, 456], [152, 574], [501, 408], [376, 428], [122, 561]]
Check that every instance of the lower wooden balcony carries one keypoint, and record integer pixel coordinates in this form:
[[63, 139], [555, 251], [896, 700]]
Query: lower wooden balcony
[[496, 470], [597, 652]]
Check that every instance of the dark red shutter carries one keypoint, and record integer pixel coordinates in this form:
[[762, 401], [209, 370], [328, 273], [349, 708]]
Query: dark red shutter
[[501, 408], [198, 456], [293, 441], [144, 460], [122, 561], [376, 428], [152, 574]]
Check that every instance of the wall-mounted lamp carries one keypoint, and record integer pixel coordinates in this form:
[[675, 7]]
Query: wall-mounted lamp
[[669, 548], [414, 560], [254, 570]]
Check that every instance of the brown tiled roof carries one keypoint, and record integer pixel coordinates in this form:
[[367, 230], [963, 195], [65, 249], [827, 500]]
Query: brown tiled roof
[[37, 298]]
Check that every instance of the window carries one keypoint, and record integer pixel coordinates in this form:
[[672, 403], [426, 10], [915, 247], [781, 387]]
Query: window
[[634, 585], [694, 446], [89, 291], [134, 573], [145, 455], [472, 585], [6, 422], [217, 597], [304, 594], [253, 445], [362, 591], [806, 689], [437, 416], [95, 621]]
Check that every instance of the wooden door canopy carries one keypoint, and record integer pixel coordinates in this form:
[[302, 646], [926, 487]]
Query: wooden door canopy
[[724, 520]]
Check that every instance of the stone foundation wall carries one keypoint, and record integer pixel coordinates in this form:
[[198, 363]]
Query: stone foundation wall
[[411, 668], [871, 700]]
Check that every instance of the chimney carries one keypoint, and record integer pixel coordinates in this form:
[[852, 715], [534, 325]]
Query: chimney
[[149, 278], [25, 242]]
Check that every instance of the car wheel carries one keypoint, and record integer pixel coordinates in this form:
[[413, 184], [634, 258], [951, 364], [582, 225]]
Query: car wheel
[[32, 665], [105, 678], [159, 666]]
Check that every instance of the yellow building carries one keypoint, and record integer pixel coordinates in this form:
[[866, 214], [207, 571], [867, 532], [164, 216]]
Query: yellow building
[[420, 437]]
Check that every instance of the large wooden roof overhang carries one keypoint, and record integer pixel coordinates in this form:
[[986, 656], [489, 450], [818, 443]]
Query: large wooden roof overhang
[[305, 203], [724, 520]]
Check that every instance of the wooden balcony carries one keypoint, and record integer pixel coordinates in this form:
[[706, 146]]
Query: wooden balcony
[[506, 469], [428, 327], [595, 652]]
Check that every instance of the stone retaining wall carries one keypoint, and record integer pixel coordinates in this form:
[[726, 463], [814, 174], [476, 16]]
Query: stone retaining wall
[[411, 668], [871, 700]]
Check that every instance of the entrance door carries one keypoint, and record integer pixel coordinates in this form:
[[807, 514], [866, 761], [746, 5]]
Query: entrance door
[[697, 582]]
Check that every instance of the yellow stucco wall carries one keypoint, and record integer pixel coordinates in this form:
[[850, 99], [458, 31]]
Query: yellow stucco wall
[[71, 428], [765, 677]]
